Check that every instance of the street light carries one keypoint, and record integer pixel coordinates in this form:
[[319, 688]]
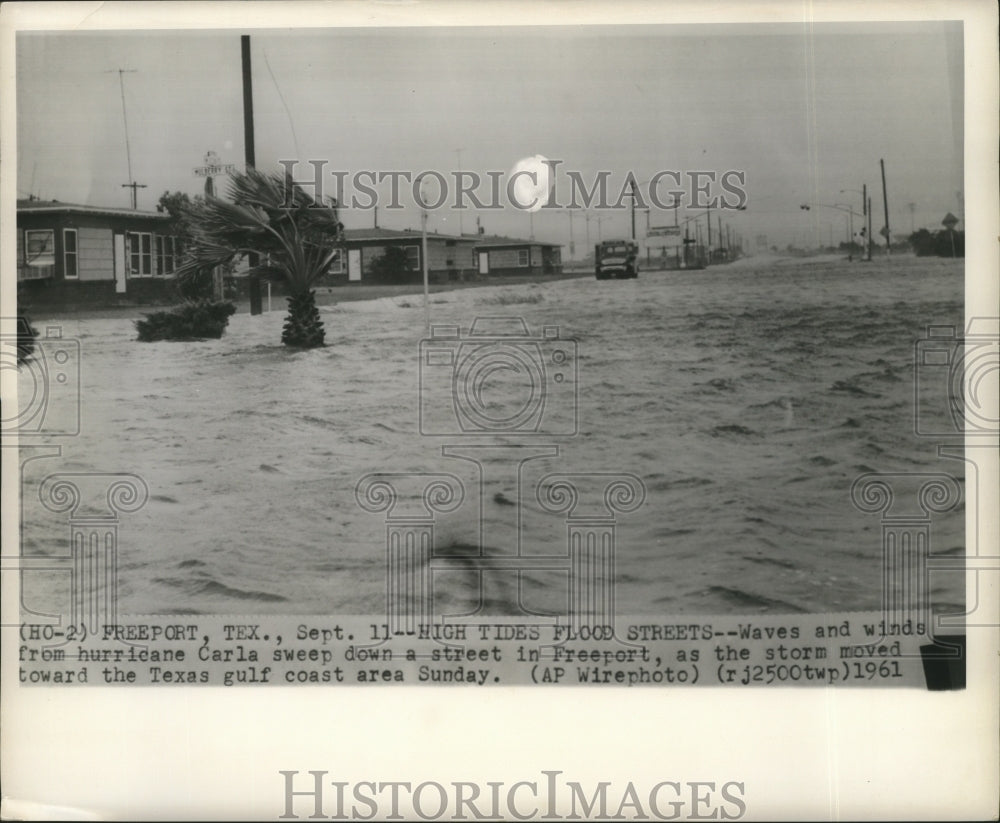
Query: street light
[[839, 207], [866, 246]]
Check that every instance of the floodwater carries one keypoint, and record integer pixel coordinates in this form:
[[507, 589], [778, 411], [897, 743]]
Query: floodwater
[[746, 399]]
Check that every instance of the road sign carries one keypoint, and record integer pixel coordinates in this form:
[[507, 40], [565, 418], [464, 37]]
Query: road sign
[[214, 166], [950, 221]]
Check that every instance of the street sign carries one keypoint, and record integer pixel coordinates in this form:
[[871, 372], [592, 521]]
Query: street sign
[[950, 221], [214, 166], [213, 171]]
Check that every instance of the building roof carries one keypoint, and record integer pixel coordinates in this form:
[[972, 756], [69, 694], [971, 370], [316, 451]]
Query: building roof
[[496, 240], [56, 206], [397, 234]]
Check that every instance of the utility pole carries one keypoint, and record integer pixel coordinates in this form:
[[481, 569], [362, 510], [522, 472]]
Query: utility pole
[[131, 184], [423, 261], [256, 299], [459, 153], [869, 238], [866, 224], [600, 220], [632, 186], [885, 205]]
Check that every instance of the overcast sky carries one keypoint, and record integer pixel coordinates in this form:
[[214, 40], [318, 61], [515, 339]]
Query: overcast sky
[[805, 112]]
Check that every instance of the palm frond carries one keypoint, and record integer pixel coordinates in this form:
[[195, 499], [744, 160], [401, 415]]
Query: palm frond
[[270, 215]]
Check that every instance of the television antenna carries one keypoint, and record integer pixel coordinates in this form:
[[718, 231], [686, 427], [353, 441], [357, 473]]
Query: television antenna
[[131, 184]]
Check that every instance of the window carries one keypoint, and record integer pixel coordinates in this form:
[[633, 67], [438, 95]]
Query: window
[[522, 257], [337, 264], [70, 269], [168, 253], [140, 254], [39, 248], [412, 257]]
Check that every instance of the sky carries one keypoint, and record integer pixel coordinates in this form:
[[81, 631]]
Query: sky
[[805, 112]]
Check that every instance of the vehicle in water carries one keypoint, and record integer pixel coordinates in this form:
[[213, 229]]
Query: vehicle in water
[[616, 258]]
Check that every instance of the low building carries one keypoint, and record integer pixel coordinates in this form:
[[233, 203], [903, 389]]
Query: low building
[[509, 256], [70, 254], [448, 257]]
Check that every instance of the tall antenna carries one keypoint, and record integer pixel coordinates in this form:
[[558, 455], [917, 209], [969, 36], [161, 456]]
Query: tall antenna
[[131, 184]]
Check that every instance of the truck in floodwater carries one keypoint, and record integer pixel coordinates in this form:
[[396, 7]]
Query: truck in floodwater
[[616, 258]]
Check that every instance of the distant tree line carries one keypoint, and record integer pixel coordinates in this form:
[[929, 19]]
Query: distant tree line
[[941, 243]]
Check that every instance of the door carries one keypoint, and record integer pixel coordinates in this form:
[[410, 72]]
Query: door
[[354, 264], [120, 264], [484, 262]]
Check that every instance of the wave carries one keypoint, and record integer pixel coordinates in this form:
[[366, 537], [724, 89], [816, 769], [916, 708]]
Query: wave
[[681, 483], [733, 428], [748, 600], [211, 587]]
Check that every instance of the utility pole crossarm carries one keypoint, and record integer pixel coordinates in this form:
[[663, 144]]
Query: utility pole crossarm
[[133, 185]]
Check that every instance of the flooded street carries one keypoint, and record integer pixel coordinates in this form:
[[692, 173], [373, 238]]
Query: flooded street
[[746, 399]]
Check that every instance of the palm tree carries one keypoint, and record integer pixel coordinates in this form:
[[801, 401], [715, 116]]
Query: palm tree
[[287, 235]]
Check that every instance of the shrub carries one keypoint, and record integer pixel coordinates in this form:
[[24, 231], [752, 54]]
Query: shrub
[[195, 320], [938, 244], [393, 267], [26, 334]]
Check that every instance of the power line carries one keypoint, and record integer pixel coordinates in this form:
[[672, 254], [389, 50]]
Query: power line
[[288, 113]]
